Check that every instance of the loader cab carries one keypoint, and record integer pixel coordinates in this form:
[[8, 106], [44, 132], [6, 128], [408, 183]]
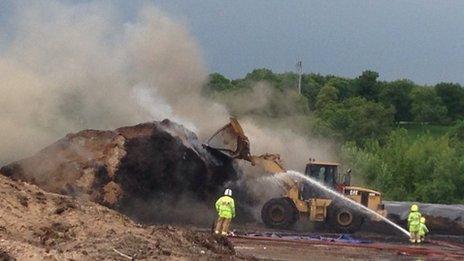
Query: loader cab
[[328, 173], [324, 172]]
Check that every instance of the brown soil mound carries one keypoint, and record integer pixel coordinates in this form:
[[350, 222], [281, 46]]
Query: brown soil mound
[[38, 225], [128, 167]]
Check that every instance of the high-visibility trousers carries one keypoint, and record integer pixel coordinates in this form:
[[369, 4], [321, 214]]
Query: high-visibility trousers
[[222, 226], [414, 236]]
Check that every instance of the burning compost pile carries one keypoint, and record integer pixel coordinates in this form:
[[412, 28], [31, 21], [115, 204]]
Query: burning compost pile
[[135, 169], [161, 172]]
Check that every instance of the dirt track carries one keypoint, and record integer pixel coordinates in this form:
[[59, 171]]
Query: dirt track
[[263, 249], [278, 249]]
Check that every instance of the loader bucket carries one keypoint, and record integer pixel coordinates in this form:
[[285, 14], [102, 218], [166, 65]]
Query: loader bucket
[[269, 162], [230, 140]]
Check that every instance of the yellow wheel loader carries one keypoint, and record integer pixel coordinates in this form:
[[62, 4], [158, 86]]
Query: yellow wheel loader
[[299, 200]]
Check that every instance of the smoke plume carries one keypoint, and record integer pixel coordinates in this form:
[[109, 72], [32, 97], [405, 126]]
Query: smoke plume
[[294, 149], [66, 67], [276, 122]]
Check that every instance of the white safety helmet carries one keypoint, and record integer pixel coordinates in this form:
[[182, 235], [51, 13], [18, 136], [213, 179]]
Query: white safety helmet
[[228, 192]]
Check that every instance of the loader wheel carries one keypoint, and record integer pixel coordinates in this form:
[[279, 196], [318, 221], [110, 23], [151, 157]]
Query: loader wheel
[[279, 213], [343, 219]]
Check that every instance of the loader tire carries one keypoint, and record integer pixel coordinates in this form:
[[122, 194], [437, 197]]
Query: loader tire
[[279, 213], [344, 220]]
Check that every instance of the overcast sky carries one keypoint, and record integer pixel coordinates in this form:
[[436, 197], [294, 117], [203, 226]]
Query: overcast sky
[[416, 39], [422, 40]]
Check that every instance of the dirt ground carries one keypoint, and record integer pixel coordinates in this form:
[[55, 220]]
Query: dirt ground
[[38, 225], [263, 249], [274, 248]]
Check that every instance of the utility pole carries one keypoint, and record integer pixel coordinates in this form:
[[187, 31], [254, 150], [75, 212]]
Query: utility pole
[[299, 68]]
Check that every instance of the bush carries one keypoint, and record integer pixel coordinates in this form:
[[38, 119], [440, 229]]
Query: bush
[[427, 169]]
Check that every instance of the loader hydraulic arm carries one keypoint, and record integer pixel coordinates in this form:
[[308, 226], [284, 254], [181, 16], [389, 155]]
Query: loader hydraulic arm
[[231, 141]]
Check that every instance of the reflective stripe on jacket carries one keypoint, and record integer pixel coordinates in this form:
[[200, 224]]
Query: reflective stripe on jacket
[[414, 221], [225, 207]]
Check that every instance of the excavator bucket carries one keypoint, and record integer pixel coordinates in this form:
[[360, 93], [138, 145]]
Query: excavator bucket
[[230, 140]]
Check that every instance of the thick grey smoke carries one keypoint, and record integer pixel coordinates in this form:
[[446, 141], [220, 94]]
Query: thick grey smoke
[[294, 149], [66, 67], [287, 132]]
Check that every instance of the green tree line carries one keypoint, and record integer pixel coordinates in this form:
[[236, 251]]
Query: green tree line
[[366, 116]]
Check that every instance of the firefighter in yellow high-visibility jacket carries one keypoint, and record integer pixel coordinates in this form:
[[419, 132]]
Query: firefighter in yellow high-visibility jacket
[[225, 207], [414, 224], [423, 230]]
